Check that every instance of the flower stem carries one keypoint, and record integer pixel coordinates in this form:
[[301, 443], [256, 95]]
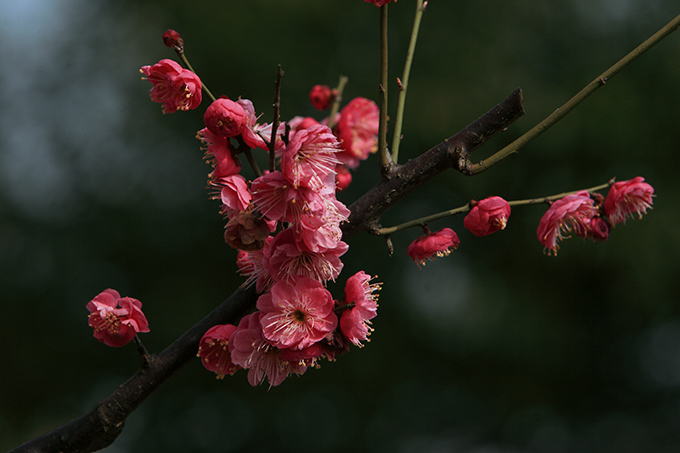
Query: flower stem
[[465, 208], [382, 93], [336, 102], [403, 85], [571, 104], [141, 349], [185, 60]]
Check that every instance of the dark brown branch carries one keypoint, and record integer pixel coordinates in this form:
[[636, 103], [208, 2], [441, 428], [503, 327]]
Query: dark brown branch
[[453, 152], [104, 423]]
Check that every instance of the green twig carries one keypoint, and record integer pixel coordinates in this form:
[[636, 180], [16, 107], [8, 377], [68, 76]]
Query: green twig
[[403, 83], [577, 99], [336, 102], [382, 94], [184, 59], [465, 208]]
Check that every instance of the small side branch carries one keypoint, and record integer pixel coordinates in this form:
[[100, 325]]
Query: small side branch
[[572, 103]]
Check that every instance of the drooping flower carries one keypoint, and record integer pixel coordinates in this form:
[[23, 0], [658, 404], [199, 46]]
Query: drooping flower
[[357, 131], [116, 320], [250, 350], [572, 213], [432, 245], [234, 194], [173, 86], [298, 314], [219, 154], [321, 97], [362, 296], [627, 198], [225, 117], [213, 350], [487, 216]]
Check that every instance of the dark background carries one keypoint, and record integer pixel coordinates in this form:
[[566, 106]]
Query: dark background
[[497, 348]]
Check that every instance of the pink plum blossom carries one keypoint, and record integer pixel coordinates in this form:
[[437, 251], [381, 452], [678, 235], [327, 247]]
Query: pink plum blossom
[[296, 315], [249, 349], [219, 154], [116, 320], [213, 350], [357, 131], [572, 213], [173, 86], [286, 261], [432, 245], [278, 199], [487, 216], [627, 198], [234, 194], [309, 158], [225, 117], [362, 296], [254, 132]]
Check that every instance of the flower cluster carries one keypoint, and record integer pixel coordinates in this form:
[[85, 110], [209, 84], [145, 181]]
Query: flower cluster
[[589, 216], [116, 320], [585, 214], [286, 226]]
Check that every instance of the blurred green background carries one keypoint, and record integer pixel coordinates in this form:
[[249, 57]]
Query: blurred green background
[[497, 348]]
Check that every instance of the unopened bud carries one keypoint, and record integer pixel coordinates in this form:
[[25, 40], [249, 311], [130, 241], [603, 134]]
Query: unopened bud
[[172, 39], [321, 97]]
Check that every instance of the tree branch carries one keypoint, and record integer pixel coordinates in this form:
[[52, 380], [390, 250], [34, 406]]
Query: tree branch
[[104, 423], [454, 152]]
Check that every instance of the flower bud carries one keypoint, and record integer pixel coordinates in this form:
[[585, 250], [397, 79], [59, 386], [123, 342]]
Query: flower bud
[[487, 216], [172, 39], [321, 97]]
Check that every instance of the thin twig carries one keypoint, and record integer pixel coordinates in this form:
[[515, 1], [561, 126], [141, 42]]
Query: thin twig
[[403, 85], [577, 99], [466, 207], [382, 95]]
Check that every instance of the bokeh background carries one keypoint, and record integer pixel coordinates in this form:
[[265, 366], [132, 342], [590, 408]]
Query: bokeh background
[[497, 348]]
